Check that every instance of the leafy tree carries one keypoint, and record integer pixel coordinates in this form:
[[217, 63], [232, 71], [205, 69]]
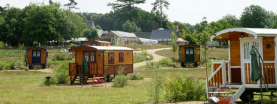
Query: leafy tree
[[71, 4], [125, 5], [98, 27], [129, 26], [174, 44], [160, 4], [11, 29], [257, 17], [91, 34]]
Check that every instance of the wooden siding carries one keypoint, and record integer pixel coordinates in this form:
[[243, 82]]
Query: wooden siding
[[235, 52], [43, 55], [128, 57], [79, 57], [268, 54], [196, 53], [100, 60]]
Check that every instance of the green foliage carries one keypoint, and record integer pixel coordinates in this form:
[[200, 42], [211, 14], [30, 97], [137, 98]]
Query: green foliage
[[1, 44], [258, 14], [10, 65], [61, 57], [152, 65], [173, 42], [143, 56], [156, 89], [120, 80], [129, 26], [165, 62], [136, 76], [91, 34], [159, 4], [72, 45], [177, 89], [1, 66], [61, 74], [98, 27], [52, 81]]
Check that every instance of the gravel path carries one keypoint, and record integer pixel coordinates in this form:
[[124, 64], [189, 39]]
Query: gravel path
[[152, 52]]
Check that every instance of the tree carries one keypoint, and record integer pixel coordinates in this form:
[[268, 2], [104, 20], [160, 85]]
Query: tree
[[174, 44], [91, 34], [129, 26], [126, 5], [98, 27], [160, 4], [257, 17], [71, 4]]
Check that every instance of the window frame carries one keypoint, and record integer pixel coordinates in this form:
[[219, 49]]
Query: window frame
[[110, 57], [121, 56]]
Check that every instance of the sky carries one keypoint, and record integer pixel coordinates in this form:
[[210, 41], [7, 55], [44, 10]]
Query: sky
[[186, 11]]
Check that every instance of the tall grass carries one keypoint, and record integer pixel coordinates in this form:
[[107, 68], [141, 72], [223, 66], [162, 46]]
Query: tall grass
[[156, 89], [136, 76], [177, 89], [143, 56], [61, 57]]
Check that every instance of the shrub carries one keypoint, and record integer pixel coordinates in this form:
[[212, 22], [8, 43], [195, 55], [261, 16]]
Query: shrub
[[155, 92], [165, 62], [52, 81], [143, 56], [10, 65], [152, 65], [120, 81], [1, 67], [61, 57], [136, 76], [72, 45], [177, 89], [61, 74]]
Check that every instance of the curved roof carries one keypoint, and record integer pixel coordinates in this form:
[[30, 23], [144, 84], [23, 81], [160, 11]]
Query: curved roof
[[101, 48], [253, 31], [36, 48]]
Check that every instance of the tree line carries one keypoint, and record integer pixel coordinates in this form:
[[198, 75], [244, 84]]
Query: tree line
[[40, 24]]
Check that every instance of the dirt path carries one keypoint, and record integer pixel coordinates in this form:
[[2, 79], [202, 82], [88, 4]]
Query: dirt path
[[152, 52]]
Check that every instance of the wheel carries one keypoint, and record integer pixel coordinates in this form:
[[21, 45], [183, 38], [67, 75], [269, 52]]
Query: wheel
[[247, 96], [43, 66], [182, 64], [195, 64], [108, 78], [30, 66]]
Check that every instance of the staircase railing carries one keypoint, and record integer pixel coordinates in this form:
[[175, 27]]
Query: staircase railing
[[237, 94]]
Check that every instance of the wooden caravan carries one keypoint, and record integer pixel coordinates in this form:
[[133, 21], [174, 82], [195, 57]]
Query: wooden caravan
[[189, 55], [36, 56], [98, 43], [236, 71], [101, 61]]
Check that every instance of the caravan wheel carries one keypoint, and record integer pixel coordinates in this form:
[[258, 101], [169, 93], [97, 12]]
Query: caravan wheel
[[247, 96]]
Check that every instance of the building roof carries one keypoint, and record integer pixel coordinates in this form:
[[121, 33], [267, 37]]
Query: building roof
[[162, 34], [102, 41], [123, 34], [181, 40], [253, 31], [90, 24], [102, 48], [79, 39], [143, 34], [36, 48]]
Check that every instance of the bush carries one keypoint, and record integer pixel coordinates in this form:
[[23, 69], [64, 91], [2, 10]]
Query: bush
[[143, 56], [177, 89], [10, 65], [152, 65], [165, 62], [61, 74], [1, 66], [72, 45], [61, 57], [156, 89], [52, 81], [136, 76], [120, 81]]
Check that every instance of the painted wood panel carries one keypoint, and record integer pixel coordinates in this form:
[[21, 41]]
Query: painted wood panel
[[78, 57], [196, 53], [268, 53], [235, 52], [29, 55], [128, 57]]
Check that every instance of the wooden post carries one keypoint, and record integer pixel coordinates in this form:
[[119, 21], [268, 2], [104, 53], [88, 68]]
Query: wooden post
[[223, 73]]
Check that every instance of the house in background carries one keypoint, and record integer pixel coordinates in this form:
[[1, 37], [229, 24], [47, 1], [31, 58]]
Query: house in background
[[145, 35], [90, 24], [181, 41], [163, 35], [120, 38], [98, 43]]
